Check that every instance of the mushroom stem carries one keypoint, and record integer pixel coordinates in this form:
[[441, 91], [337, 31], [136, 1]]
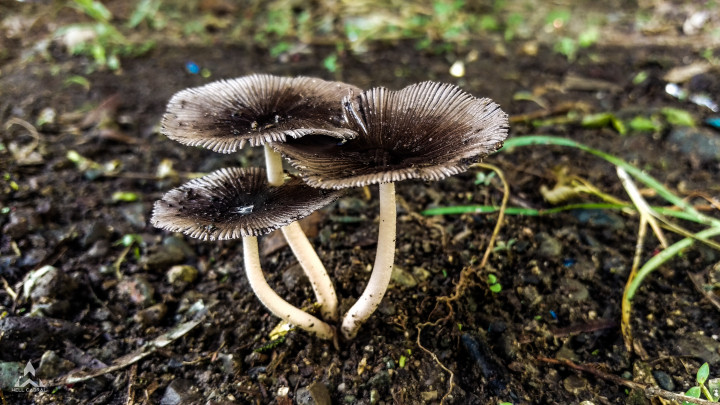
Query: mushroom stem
[[301, 247], [382, 270], [274, 167], [314, 269], [273, 302]]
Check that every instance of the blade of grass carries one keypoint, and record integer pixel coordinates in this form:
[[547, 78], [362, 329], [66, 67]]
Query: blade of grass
[[531, 212], [637, 173], [657, 260]]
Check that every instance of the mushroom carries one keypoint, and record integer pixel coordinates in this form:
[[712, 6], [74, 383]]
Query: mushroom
[[234, 203], [258, 109], [426, 131]]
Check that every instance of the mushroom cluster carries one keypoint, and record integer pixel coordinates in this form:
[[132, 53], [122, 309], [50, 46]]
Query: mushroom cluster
[[336, 137]]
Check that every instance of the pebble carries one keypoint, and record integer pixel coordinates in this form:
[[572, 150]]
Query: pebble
[[138, 289], [574, 384], [574, 290], [182, 274], [698, 142], [402, 278], [21, 222], [180, 243], [429, 396], [421, 274], [381, 380], [52, 365], [164, 257], [550, 248], [9, 373], [293, 276], [699, 346], [314, 394], [151, 315], [180, 391], [664, 380], [134, 214], [49, 290], [97, 231]]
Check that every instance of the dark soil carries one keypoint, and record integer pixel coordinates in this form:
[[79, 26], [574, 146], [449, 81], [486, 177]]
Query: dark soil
[[562, 275]]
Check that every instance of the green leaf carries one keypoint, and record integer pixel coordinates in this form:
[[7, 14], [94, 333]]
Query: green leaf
[[703, 373], [94, 9], [605, 119], [640, 123], [330, 63], [598, 120], [693, 392], [678, 117], [125, 196], [588, 37]]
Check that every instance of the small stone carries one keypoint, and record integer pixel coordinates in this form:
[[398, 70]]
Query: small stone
[[99, 249], [574, 290], [314, 394], [374, 396], [380, 380], [293, 276], [550, 248], [151, 315], [574, 384], [165, 256], [182, 273], [698, 142], [49, 290], [134, 214], [421, 274], [138, 289], [9, 373], [429, 396], [180, 391], [181, 244], [21, 222], [97, 231], [402, 278], [52, 365], [664, 380]]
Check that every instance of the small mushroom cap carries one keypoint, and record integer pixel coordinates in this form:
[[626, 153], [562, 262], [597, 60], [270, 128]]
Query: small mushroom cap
[[428, 130], [231, 203], [256, 109]]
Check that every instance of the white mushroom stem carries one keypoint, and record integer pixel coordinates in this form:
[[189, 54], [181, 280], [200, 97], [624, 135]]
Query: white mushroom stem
[[382, 270], [273, 302], [274, 167], [314, 269], [301, 247]]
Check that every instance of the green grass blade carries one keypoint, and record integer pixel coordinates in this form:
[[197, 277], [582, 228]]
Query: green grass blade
[[637, 173], [667, 254]]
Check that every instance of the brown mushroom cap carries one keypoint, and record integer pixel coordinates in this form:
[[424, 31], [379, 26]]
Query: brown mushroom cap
[[231, 203], [427, 130], [256, 109]]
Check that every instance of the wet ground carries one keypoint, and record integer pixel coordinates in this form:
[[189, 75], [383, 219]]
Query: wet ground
[[115, 288]]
